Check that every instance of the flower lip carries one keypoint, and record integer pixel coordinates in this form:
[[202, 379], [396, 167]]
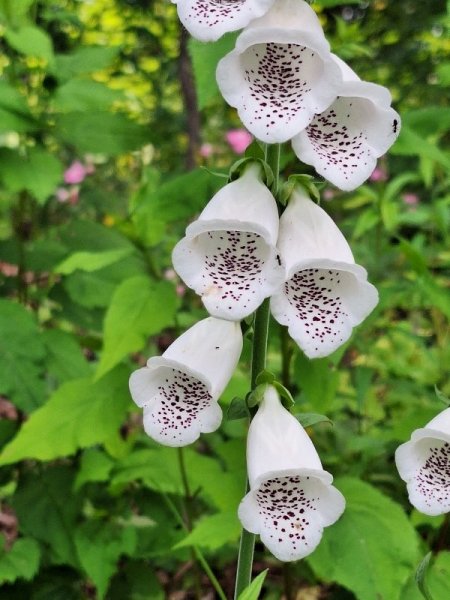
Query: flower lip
[[324, 476], [327, 263], [208, 20], [203, 226]]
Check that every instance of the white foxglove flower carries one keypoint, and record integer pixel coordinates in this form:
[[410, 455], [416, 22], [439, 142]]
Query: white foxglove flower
[[208, 20], [424, 464], [325, 293], [229, 254], [179, 390], [280, 73], [343, 142], [291, 498]]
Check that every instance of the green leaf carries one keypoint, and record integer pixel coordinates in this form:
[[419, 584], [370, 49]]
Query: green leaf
[[65, 359], [21, 352], [421, 573], [99, 546], [47, 509], [204, 60], [376, 544], [31, 41], [95, 466], [310, 419], [87, 59], [213, 531], [138, 309], [319, 380], [15, 11], [237, 409], [101, 132], [84, 95], [412, 143], [21, 562], [438, 577], [91, 261], [80, 413], [254, 589], [39, 173]]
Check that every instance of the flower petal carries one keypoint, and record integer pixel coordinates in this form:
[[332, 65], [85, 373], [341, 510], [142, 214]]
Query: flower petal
[[325, 294], [344, 142], [290, 511], [228, 255], [280, 73], [179, 390], [425, 466], [208, 20]]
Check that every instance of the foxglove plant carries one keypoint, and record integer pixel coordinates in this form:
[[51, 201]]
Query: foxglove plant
[[280, 73], [424, 464], [343, 142], [325, 293], [179, 390], [291, 498], [229, 254], [208, 20]]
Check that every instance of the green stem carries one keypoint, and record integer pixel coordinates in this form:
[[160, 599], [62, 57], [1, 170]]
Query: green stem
[[259, 354]]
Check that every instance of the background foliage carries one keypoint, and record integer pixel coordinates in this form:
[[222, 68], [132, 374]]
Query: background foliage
[[91, 507]]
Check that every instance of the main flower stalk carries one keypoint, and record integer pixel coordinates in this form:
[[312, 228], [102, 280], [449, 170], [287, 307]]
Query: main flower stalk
[[259, 354]]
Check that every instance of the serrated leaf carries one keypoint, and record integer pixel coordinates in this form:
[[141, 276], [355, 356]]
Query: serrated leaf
[[138, 309], [99, 546], [47, 509], [79, 414], [213, 531], [376, 544], [91, 261], [21, 562], [254, 589], [39, 172]]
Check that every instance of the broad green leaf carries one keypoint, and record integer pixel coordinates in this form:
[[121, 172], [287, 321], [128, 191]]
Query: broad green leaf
[[65, 359], [204, 60], [140, 583], [39, 173], [438, 580], [95, 466], [84, 94], [15, 11], [254, 589], [21, 562], [21, 353], [213, 531], [376, 544], [139, 308], [318, 381], [101, 132], [31, 41], [412, 143], [99, 546], [87, 59], [79, 414], [91, 261], [48, 509]]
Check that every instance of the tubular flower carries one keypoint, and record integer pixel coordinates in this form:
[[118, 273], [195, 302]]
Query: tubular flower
[[343, 142], [424, 464], [291, 498], [179, 390], [280, 73], [228, 255], [208, 20], [325, 293]]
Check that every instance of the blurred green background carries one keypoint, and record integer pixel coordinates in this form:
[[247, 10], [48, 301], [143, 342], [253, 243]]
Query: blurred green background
[[108, 114]]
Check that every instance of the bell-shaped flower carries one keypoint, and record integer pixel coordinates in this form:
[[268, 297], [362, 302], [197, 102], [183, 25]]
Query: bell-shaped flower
[[291, 498], [208, 20], [424, 464], [179, 390], [343, 142], [280, 73], [229, 254], [325, 293]]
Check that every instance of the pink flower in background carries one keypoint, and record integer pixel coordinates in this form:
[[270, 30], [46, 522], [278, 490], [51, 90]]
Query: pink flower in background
[[410, 199], [378, 174], [206, 150], [239, 140], [76, 173], [62, 194]]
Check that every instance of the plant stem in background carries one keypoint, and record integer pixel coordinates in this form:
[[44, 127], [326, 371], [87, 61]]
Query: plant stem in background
[[259, 353]]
